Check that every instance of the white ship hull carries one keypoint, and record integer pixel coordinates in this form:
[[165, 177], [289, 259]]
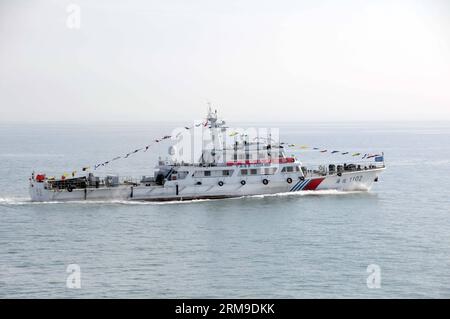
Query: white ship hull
[[221, 168], [174, 190]]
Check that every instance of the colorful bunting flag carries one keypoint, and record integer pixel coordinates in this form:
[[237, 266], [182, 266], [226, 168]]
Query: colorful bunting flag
[[378, 158]]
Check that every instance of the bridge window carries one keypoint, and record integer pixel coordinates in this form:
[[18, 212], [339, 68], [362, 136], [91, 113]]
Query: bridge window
[[268, 170], [288, 169], [182, 175], [226, 172]]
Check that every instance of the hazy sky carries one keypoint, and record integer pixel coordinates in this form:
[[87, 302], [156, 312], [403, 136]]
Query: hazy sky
[[256, 60]]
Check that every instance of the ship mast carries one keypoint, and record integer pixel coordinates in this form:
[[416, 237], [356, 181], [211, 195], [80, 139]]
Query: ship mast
[[216, 127]]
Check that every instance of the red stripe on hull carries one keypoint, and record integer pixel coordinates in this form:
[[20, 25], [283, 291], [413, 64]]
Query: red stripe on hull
[[312, 185]]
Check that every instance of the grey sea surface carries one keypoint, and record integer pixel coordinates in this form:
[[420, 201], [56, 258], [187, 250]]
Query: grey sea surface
[[302, 245]]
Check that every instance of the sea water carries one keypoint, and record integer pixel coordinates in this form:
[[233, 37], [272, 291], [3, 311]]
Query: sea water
[[393, 241]]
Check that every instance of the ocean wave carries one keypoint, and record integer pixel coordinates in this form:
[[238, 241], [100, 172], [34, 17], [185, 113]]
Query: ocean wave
[[21, 201], [14, 200], [307, 193]]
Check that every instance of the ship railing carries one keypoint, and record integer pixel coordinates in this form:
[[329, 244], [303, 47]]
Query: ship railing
[[128, 180], [337, 168], [280, 160], [78, 182]]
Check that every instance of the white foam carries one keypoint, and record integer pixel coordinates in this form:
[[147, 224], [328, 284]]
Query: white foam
[[308, 193], [15, 201], [26, 201]]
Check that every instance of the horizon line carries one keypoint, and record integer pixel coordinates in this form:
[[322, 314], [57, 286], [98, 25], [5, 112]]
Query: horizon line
[[239, 121]]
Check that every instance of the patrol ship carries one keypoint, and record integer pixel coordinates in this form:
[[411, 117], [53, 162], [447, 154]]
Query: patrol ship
[[242, 168]]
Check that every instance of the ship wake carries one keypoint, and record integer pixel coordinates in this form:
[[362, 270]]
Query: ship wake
[[21, 201]]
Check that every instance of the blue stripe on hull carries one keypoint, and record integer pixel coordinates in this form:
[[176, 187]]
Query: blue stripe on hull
[[299, 185], [292, 189], [304, 185]]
